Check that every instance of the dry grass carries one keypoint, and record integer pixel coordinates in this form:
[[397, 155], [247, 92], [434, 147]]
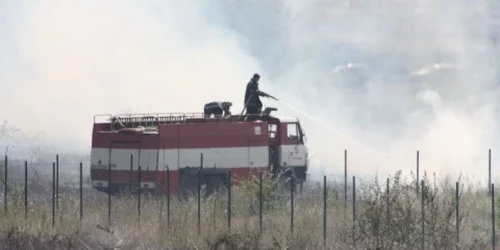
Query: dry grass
[[383, 221]]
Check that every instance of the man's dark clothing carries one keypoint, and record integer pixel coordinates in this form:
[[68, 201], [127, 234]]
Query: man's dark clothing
[[252, 100], [253, 110]]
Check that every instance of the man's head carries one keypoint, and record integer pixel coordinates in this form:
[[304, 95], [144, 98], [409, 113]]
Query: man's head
[[256, 77]]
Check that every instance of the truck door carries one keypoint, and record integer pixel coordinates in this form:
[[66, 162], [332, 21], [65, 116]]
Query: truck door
[[293, 152], [274, 157]]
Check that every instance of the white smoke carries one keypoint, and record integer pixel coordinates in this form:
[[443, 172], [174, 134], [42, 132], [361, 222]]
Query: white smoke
[[64, 61]]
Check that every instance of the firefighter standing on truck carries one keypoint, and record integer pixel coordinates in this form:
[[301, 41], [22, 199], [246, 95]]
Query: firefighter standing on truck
[[253, 105]]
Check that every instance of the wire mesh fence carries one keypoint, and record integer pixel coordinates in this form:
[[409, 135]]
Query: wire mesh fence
[[389, 214]]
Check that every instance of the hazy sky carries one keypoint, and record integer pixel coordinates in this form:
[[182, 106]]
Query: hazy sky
[[61, 62]]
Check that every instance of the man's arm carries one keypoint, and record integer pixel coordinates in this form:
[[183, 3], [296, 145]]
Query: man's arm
[[264, 94], [255, 90], [261, 93]]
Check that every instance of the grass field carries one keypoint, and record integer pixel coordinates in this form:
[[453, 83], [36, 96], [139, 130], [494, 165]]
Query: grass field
[[382, 221]]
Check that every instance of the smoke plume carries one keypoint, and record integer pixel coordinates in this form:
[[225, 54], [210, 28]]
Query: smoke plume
[[64, 61]]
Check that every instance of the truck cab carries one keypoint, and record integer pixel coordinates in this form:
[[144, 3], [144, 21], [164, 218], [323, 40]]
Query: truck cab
[[288, 151]]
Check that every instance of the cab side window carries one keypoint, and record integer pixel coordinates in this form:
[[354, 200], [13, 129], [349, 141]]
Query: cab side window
[[293, 133], [273, 129]]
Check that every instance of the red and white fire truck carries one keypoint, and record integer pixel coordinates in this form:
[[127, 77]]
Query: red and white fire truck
[[183, 144]]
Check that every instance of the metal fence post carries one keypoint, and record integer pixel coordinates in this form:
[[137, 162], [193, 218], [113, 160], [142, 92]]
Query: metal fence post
[[345, 179], [260, 201], [131, 169], [229, 200], [81, 194], [168, 197], [489, 171], [57, 181], [388, 202], [139, 196], [493, 234], [109, 193], [457, 214], [162, 204], [53, 193], [25, 190], [292, 182], [354, 210], [324, 209], [6, 187], [423, 214], [201, 160], [418, 169], [199, 198]]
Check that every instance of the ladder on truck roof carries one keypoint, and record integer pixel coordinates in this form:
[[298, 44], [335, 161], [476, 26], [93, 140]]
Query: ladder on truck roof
[[169, 118], [150, 118]]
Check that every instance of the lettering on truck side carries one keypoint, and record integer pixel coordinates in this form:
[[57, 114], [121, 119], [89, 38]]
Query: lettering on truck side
[[295, 154]]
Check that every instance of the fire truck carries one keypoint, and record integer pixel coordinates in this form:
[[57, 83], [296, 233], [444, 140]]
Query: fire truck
[[184, 150]]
